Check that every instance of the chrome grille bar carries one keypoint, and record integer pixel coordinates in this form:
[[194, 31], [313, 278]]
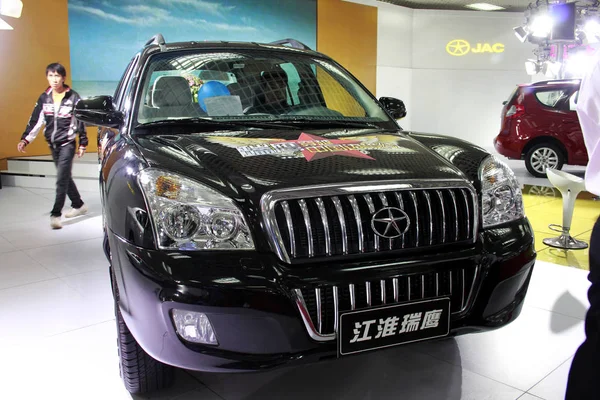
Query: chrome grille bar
[[383, 199], [370, 203], [462, 301], [311, 246], [441, 197], [385, 203], [340, 212], [336, 309], [467, 209], [428, 200], [401, 204], [290, 226], [321, 317], [361, 236], [323, 212], [319, 310], [371, 206], [456, 230], [307, 319], [445, 206], [416, 204]]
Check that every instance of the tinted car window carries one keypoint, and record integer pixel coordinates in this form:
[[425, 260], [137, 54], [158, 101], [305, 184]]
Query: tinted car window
[[552, 98], [228, 85], [120, 90]]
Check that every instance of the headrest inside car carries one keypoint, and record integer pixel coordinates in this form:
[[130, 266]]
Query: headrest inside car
[[275, 75], [171, 91]]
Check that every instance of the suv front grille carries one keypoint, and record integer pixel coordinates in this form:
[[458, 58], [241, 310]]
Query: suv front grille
[[322, 305], [338, 225]]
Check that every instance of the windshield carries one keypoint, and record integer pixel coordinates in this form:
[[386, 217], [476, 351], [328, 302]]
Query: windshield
[[253, 86]]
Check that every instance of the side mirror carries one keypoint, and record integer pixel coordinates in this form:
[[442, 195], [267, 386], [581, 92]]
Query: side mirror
[[395, 107], [98, 111]]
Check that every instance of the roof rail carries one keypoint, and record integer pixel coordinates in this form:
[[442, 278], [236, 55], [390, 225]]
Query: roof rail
[[293, 43], [557, 81], [157, 39]]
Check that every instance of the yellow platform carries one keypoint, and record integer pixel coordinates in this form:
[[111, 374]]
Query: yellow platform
[[543, 206]]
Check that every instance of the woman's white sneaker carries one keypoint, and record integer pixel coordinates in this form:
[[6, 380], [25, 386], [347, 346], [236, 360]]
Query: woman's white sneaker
[[75, 212]]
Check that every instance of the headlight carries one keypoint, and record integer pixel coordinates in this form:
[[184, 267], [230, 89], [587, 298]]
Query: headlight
[[502, 200], [190, 216]]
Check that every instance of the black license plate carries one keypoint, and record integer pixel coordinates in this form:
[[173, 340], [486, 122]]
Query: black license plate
[[376, 328]]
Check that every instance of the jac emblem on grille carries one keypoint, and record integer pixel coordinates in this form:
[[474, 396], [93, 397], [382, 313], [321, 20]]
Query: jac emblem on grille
[[390, 222]]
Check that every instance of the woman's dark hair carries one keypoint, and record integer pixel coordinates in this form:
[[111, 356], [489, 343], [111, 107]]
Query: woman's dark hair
[[58, 68]]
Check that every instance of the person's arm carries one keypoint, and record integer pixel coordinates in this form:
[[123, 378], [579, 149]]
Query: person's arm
[[36, 121], [588, 111]]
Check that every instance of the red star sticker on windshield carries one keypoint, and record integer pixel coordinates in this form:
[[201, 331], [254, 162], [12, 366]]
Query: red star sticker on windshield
[[316, 147]]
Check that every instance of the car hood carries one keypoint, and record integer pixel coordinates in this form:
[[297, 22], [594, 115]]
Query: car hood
[[276, 159]]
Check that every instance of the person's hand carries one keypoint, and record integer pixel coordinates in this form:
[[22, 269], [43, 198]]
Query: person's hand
[[21, 146], [81, 151]]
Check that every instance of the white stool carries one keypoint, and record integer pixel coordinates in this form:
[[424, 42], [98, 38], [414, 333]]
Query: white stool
[[570, 186]]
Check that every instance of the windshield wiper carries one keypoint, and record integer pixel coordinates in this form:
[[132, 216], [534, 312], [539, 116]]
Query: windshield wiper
[[329, 122], [206, 123]]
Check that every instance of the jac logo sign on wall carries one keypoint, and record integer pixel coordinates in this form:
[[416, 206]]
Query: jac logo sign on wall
[[12, 9], [459, 48]]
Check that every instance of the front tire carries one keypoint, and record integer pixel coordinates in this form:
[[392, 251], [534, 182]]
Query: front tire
[[140, 372], [542, 156]]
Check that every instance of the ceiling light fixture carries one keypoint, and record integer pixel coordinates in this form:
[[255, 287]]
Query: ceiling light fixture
[[484, 7], [10, 8]]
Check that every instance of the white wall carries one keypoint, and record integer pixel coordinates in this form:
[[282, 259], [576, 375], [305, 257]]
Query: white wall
[[460, 103], [445, 94], [395, 55], [462, 96]]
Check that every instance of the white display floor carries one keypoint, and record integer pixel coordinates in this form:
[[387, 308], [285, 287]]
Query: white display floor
[[57, 332]]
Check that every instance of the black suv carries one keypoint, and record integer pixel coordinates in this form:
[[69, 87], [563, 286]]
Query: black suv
[[261, 208]]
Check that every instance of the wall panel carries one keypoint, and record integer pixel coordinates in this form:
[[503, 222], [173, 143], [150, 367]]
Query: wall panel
[[347, 32]]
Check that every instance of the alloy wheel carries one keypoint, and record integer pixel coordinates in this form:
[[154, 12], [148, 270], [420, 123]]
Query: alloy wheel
[[543, 158]]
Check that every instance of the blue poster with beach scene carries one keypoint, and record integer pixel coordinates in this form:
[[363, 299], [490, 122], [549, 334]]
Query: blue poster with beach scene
[[105, 34]]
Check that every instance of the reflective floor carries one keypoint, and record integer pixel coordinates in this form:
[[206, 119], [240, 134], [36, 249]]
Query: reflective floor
[[57, 328], [543, 207]]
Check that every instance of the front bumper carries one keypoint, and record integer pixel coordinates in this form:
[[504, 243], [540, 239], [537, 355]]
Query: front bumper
[[251, 299]]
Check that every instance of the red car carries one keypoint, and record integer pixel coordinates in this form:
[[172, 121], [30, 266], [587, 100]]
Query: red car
[[540, 125]]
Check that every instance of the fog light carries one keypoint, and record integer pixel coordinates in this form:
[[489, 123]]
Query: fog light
[[194, 327]]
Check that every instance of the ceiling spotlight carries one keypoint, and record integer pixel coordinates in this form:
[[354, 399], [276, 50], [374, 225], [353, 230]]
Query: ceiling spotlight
[[484, 7], [532, 67], [522, 33], [592, 31], [541, 26]]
